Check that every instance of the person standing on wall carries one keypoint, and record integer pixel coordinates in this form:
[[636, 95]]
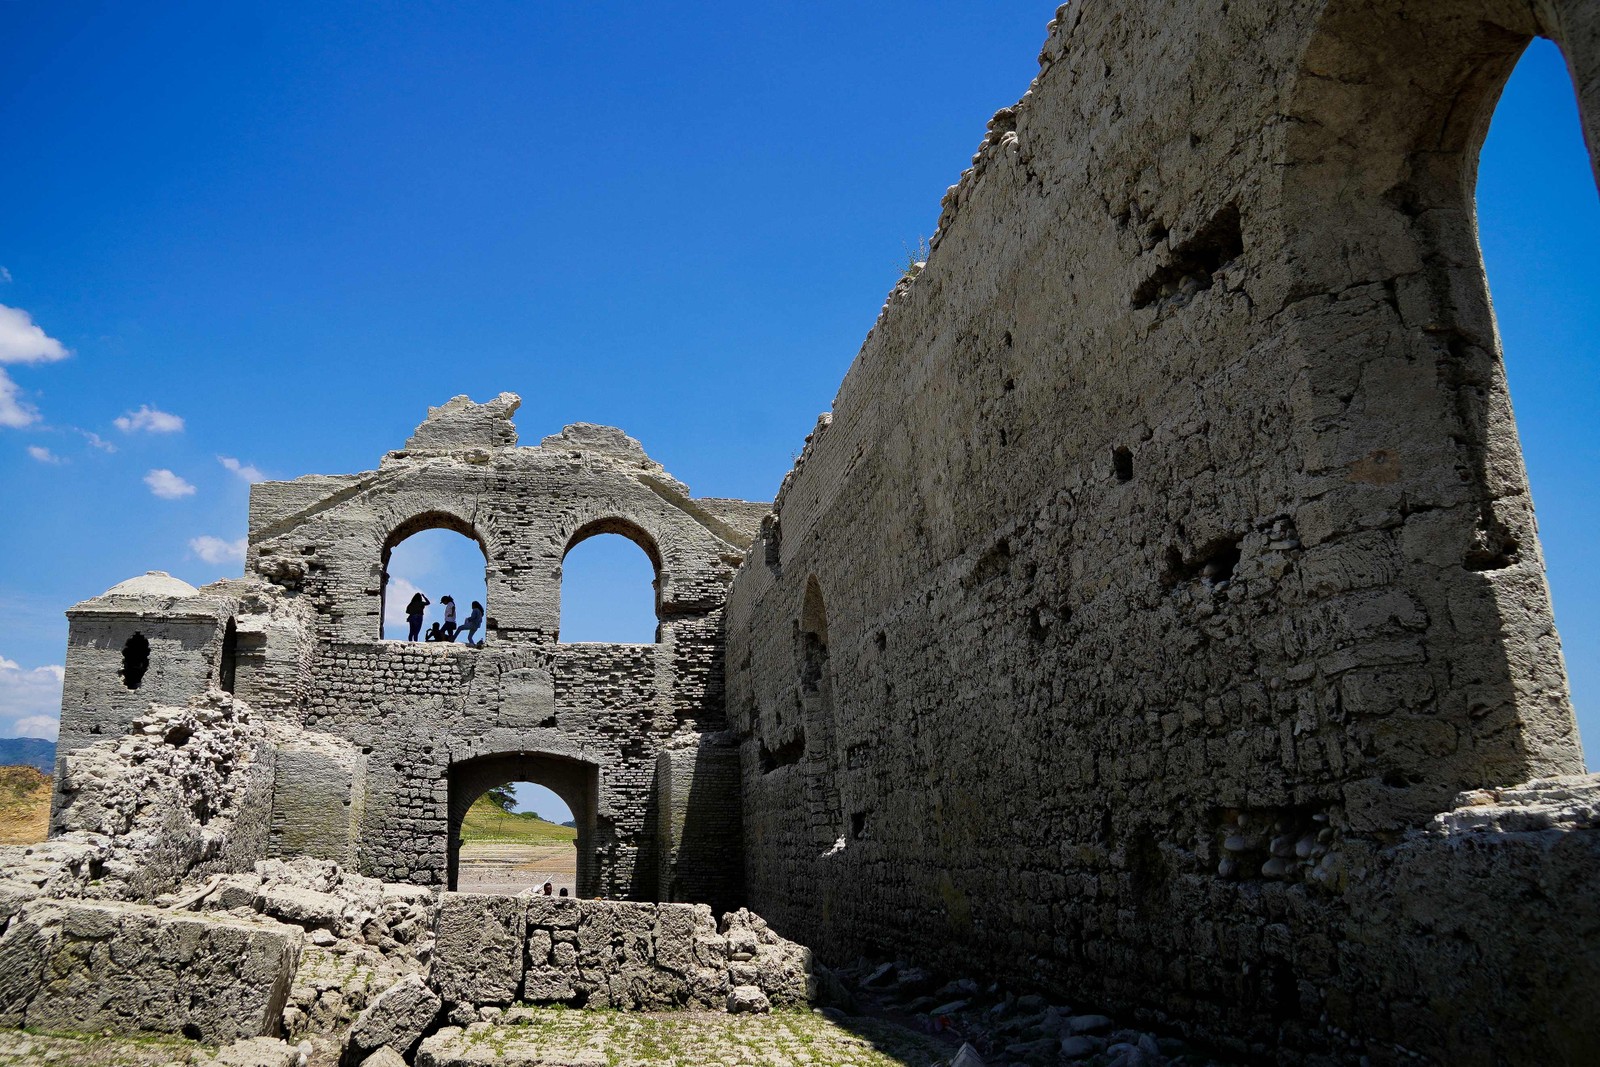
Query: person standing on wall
[[448, 631], [474, 620], [414, 613]]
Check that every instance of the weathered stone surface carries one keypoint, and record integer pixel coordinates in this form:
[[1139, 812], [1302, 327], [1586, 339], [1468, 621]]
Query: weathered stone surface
[[75, 965], [1167, 555], [256, 1052], [384, 1057], [397, 1018], [747, 999], [478, 950]]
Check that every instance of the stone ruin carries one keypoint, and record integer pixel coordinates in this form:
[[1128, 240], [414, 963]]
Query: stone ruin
[[1157, 620]]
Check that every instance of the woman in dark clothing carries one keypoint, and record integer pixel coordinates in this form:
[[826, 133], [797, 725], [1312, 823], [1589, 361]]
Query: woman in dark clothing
[[474, 621], [414, 614]]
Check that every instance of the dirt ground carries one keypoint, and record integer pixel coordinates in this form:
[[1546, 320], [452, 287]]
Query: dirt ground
[[24, 805], [511, 869]]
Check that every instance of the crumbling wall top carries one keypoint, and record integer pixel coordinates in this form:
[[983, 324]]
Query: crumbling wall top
[[461, 424]]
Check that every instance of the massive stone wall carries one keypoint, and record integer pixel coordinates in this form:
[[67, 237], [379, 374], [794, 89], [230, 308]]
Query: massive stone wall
[[1166, 562]]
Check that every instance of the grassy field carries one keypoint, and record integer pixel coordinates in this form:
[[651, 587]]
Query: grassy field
[[24, 805], [486, 823]]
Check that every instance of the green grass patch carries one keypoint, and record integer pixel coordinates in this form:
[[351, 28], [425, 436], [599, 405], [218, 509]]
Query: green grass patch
[[487, 822]]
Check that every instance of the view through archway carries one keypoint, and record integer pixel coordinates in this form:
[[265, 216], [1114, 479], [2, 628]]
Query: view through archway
[[1538, 214], [436, 563], [608, 592], [515, 839]]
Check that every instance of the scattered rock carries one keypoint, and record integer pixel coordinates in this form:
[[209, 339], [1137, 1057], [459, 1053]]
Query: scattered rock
[[748, 998]]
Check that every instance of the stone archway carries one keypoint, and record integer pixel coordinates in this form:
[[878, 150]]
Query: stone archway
[[577, 784]]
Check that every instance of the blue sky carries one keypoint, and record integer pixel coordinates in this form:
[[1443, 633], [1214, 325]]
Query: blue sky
[[265, 238]]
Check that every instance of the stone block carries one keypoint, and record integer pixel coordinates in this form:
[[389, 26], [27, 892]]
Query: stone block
[[126, 967], [478, 949], [397, 1019]]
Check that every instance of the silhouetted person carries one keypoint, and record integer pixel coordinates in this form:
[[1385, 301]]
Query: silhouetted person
[[448, 633], [548, 889], [434, 633], [563, 891], [474, 621], [414, 611]]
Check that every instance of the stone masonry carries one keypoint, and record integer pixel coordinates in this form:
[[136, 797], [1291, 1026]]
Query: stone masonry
[[389, 741], [1166, 563]]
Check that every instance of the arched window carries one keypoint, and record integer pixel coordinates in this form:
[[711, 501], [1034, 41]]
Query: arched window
[[1538, 225], [135, 661], [815, 686], [436, 556], [516, 837], [610, 587]]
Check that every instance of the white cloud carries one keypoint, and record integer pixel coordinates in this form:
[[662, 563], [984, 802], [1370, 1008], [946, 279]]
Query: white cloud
[[5, 275], [97, 441], [23, 342], [216, 550], [395, 598], [148, 419], [166, 485], [249, 472], [14, 412], [43, 454], [30, 700]]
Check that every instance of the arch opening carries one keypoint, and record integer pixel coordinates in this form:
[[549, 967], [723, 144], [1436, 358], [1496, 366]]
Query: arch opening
[[818, 721], [611, 586], [501, 842], [1538, 218], [1383, 292], [435, 582]]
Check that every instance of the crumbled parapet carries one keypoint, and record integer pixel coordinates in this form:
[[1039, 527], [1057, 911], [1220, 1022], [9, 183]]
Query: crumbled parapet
[[747, 999], [1565, 802], [459, 425], [496, 951], [759, 957], [88, 965], [397, 1019]]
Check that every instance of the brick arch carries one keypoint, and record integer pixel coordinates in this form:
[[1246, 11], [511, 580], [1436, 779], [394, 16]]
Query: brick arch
[[1409, 447], [633, 532], [420, 522], [576, 782]]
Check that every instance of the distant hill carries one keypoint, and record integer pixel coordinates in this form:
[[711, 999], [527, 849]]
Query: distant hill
[[486, 822], [28, 752], [24, 805]]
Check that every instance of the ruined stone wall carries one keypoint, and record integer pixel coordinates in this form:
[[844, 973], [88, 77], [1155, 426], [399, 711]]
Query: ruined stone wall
[[1167, 557], [587, 719]]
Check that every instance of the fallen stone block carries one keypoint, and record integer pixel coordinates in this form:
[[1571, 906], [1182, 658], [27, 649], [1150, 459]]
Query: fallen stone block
[[82, 966], [747, 999], [255, 1052], [397, 1019]]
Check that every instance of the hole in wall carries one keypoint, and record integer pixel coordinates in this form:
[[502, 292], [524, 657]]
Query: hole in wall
[[227, 666], [858, 825], [786, 754], [1214, 562], [1122, 463], [1193, 262], [135, 661]]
